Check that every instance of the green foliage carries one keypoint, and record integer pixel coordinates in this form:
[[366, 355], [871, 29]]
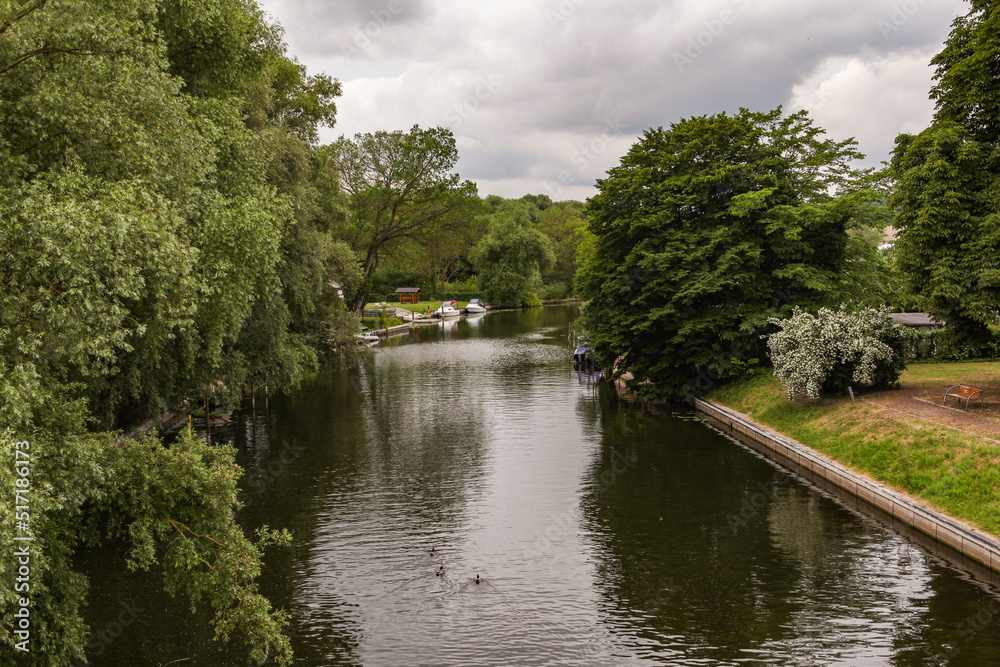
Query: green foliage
[[947, 186], [565, 225], [468, 286], [173, 506], [169, 232], [511, 257], [400, 187], [950, 230], [531, 300], [966, 90], [176, 506], [836, 348], [553, 291], [923, 344], [708, 229], [300, 103]]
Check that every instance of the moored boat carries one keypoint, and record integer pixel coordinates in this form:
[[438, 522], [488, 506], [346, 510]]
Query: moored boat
[[476, 306], [448, 309]]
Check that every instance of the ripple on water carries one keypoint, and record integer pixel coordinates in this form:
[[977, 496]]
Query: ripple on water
[[603, 535]]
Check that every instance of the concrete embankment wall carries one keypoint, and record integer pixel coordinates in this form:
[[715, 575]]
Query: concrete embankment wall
[[399, 328], [963, 546]]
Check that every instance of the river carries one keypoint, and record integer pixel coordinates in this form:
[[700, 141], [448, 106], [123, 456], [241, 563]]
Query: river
[[602, 534]]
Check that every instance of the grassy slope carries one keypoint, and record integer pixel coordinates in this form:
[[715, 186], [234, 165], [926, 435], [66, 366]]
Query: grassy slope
[[954, 472]]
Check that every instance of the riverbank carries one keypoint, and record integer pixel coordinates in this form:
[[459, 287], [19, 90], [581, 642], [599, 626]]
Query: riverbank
[[430, 306], [948, 461], [417, 314]]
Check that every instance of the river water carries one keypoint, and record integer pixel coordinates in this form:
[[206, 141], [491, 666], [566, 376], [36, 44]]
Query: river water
[[602, 534]]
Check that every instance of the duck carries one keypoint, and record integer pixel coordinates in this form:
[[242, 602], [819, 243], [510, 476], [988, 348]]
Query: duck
[[440, 571], [477, 579], [432, 552]]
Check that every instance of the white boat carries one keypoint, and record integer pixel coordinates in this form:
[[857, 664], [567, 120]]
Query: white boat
[[476, 306], [366, 336], [448, 309]]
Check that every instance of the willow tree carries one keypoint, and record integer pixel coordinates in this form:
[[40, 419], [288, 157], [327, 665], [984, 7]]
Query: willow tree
[[511, 257], [164, 227], [400, 186], [947, 180]]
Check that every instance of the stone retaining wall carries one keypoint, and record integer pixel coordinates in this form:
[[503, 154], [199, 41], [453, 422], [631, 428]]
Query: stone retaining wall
[[973, 548]]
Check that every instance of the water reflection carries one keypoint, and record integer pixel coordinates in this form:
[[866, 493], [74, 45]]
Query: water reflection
[[602, 534]]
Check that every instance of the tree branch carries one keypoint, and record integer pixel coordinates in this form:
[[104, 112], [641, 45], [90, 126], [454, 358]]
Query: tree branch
[[178, 526], [42, 52], [21, 14]]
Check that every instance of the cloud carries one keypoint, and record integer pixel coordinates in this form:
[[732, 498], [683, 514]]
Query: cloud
[[530, 86], [872, 100], [352, 29]]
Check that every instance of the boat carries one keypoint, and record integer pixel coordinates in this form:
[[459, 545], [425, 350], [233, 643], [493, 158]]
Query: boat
[[583, 357], [476, 306], [366, 336], [448, 309]]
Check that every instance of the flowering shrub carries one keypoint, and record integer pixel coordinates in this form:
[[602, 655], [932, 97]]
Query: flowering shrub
[[834, 348]]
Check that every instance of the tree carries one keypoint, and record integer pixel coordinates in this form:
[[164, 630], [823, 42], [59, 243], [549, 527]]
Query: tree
[[708, 229], [565, 226], [947, 180], [400, 186], [835, 348], [166, 227], [511, 257]]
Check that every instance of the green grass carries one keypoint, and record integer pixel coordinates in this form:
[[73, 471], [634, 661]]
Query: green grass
[[977, 373], [954, 472], [416, 308]]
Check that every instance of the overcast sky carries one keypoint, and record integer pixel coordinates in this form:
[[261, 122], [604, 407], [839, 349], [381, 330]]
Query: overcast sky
[[544, 96]]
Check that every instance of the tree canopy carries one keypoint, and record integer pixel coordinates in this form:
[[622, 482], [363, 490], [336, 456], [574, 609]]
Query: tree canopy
[[709, 228], [511, 257], [168, 233], [947, 180], [400, 187]]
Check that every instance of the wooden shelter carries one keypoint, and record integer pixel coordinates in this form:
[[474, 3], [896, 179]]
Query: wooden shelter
[[408, 294]]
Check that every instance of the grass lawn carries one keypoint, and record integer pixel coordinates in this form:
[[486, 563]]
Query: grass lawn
[[416, 308], [952, 471], [977, 373]]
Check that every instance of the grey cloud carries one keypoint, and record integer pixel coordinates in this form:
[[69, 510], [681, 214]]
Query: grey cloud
[[354, 29], [568, 66]]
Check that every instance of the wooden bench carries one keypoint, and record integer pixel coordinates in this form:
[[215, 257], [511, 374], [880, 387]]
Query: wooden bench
[[964, 391]]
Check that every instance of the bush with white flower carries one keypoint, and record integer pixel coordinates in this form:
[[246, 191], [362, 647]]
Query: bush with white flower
[[836, 348]]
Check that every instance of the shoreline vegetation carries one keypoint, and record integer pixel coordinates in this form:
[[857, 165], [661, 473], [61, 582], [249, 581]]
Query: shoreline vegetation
[[423, 306], [946, 460]]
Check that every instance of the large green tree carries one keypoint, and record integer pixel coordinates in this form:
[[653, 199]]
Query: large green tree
[[400, 186], [709, 228], [564, 223], [512, 256], [167, 230], [947, 192]]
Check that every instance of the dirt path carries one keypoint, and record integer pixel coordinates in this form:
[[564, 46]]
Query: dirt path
[[924, 404]]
